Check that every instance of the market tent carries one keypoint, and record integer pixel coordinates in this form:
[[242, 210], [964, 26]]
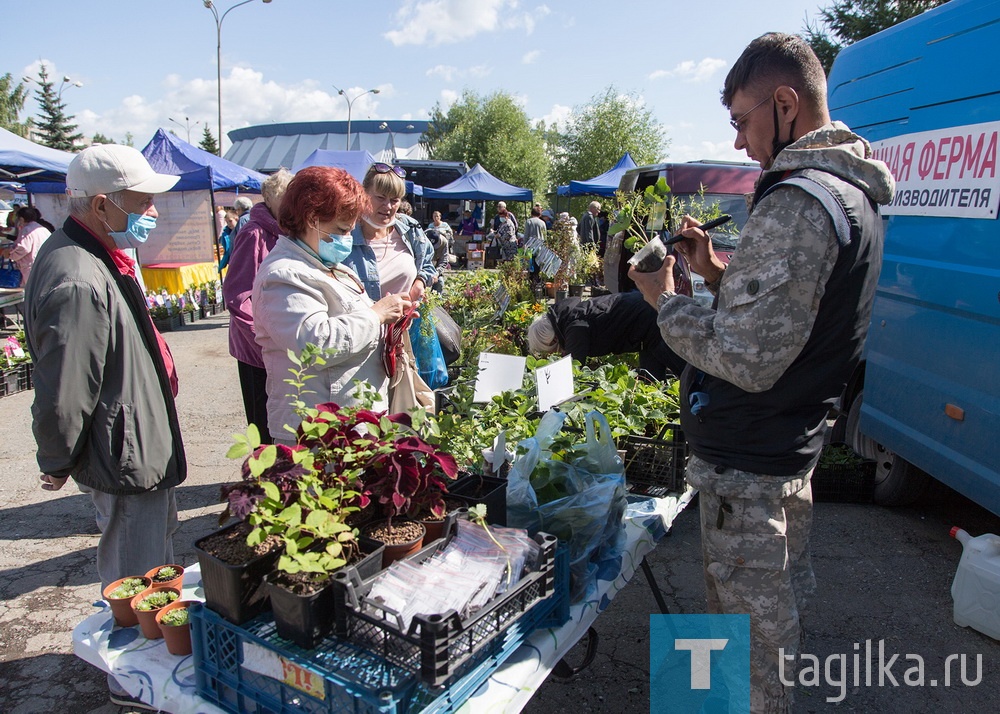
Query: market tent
[[169, 154], [603, 185], [479, 185], [355, 163], [198, 169], [25, 161]]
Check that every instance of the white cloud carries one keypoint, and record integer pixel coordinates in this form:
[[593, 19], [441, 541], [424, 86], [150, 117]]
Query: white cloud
[[448, 97], [446, 72], [439, 22], [531, 57], [558, 117], [247, 99], [691, 71]]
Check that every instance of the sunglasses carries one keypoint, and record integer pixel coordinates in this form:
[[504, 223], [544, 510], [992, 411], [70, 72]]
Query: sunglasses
[[381, 168]]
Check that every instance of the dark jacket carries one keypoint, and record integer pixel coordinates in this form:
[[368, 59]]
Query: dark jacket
[[103, 412], [613, 324]]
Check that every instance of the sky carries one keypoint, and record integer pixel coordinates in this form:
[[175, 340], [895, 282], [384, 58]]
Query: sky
[[146, 64]]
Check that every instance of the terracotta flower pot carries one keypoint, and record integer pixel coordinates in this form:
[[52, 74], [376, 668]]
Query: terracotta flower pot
[[408, 537], [176, 637], [147, 618], [121, 608], [176, 582]]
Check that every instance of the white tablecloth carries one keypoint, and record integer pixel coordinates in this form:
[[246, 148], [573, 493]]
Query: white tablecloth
[[148, 671]]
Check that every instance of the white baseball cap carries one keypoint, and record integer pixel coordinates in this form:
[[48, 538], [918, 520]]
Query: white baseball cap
[[112, 167]]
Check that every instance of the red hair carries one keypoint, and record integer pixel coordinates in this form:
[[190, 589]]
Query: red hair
[[321, 193]]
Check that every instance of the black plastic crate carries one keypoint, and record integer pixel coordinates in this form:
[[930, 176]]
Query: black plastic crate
[[654, 466], [15, 379], [339, 676], [844, 483], [436, 646]]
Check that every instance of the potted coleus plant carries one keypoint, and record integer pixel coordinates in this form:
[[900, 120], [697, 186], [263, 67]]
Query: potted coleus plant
[[316, 541], [147, 604], [119, 595], [175, 626]]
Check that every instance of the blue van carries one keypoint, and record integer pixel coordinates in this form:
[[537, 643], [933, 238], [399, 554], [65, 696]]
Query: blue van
[[926, 398]]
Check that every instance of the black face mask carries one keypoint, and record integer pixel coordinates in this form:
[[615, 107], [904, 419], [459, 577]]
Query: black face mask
[[778, 146]]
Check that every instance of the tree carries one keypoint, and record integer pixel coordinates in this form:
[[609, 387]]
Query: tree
[[12, 98], [208, 142], [495, 132], [602, 130], [99, 138], [55, 128], [847, 21]]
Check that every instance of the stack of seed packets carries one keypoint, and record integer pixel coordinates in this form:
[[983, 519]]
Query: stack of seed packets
[[478, 564]]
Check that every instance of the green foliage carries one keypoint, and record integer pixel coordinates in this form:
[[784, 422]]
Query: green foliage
[[634, 211], [630, 404], [12, 98], [847, 21], [175, 618], [600, 131], [208, 142], [55, 127], [312, 529], [154, 601], [493, 131], [130, 587], [99, 138], [839, 455]]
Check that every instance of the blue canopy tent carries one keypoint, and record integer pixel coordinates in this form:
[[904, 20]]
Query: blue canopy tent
[[198, 169], [25, 161], [168, 154], [603, 185], [479, 185], [356, 163]]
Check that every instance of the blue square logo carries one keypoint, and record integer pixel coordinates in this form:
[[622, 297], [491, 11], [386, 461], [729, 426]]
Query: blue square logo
[[699, 663]]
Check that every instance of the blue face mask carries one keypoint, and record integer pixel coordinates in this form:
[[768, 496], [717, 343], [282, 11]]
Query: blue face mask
[[136, 231], [335, 250]]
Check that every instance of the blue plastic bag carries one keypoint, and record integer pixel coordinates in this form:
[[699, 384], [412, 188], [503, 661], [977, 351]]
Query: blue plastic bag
[[430, 359], [10, 277], [588, 512]]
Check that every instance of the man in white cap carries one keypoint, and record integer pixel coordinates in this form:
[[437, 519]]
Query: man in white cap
[[105, 382]]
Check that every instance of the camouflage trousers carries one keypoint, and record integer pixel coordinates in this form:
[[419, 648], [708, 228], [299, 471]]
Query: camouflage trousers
[[755, 545]]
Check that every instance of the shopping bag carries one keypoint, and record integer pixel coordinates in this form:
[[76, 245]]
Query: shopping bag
[[581, 501], [407, 391], [10, 277], [429, 357], [449, 334]]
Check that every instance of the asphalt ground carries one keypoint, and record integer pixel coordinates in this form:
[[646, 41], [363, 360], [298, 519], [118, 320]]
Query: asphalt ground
[[883, 574]]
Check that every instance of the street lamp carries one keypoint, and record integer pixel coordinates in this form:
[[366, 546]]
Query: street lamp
[[384, 126], [218, 53], [350, 103], [65, 84], [187, 126]]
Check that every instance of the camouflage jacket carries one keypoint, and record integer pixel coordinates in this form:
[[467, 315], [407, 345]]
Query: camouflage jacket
[[751, 346]]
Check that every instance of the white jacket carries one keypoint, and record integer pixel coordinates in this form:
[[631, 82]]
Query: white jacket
[[297, 301]]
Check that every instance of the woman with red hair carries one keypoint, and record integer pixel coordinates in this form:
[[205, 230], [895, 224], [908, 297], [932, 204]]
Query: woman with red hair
[[304, 294]]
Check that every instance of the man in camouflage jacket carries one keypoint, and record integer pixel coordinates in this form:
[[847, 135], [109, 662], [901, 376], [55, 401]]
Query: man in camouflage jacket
[[767, 362]]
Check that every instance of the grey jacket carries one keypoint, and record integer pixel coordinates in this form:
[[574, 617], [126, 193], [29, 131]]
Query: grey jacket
[[103, 412]]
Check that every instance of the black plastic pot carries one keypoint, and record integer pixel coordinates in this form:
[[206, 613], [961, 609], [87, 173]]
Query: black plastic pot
[[307, 619], [236, 592], [490, 490]]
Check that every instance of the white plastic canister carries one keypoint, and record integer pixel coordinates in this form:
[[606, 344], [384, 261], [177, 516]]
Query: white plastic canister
[[976, 589]]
